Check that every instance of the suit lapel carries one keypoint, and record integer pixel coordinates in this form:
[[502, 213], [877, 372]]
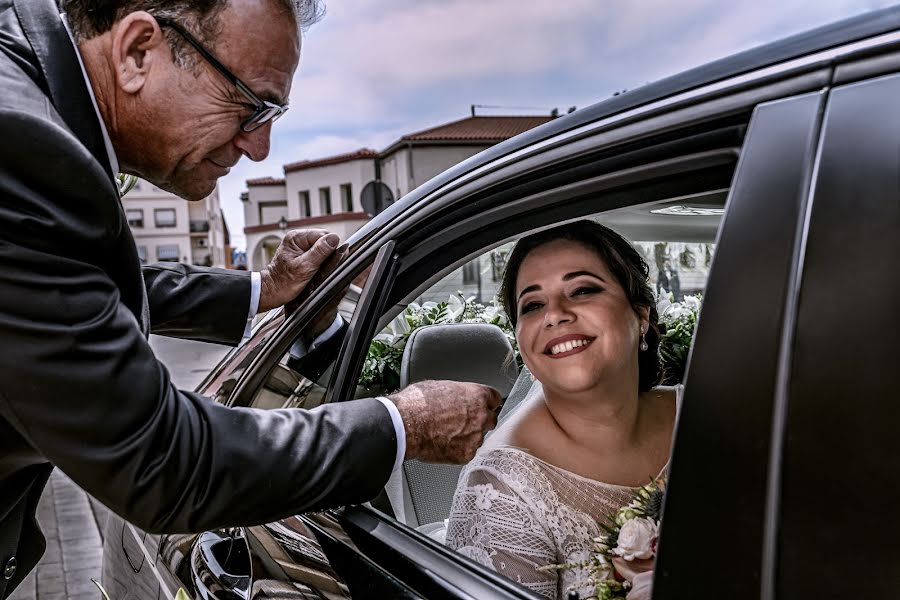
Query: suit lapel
[[68, 92], [44, 29]]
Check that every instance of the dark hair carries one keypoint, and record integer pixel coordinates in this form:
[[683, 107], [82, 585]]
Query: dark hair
[[622, 260], [90, 18]]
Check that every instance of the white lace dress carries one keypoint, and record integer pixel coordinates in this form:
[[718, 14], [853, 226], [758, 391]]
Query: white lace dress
[[513, 513]]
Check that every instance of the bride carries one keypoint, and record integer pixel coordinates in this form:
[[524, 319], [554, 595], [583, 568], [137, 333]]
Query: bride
[[593, 428]]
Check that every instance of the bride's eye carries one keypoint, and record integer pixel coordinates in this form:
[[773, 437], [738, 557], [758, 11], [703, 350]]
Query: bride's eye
[[530, 306], [586, 290]]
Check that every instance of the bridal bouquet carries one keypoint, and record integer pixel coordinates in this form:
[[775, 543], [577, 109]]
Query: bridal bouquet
[[621, 558]]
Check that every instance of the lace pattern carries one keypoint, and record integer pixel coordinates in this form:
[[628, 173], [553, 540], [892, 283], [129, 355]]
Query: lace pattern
[[514, 513]]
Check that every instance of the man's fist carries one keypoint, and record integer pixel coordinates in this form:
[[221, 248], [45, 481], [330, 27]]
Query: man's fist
[[297, 259], [445, 421]]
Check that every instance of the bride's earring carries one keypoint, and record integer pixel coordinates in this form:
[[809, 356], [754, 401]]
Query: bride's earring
[[643, 345]]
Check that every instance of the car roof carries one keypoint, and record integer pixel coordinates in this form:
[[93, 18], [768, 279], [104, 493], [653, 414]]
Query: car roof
[[809, 42]]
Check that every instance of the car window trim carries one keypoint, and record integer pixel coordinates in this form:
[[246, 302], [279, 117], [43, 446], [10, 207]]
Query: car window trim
[[400, 546], [254, 375]]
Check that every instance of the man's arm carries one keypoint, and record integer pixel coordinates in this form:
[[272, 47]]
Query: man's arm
[[199, 303], [80, 383]]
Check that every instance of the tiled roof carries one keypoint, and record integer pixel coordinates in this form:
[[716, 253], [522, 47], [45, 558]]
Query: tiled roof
[[477, 129], [265, 181], [331, 160]]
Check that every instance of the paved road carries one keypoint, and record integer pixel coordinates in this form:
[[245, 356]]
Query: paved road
[[73, 521]]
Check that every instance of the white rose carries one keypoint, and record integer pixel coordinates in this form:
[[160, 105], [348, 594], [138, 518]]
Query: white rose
[[636, 539]]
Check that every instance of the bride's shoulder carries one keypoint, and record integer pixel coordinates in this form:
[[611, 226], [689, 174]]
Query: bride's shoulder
[[666, 393], [666, 400]]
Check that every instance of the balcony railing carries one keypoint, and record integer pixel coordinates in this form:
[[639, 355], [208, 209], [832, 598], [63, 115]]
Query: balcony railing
[[199, 226]]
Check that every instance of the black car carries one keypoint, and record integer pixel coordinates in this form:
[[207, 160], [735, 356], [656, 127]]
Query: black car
[[768, 181]]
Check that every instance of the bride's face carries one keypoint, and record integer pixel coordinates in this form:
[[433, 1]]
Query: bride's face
[[576, 327]]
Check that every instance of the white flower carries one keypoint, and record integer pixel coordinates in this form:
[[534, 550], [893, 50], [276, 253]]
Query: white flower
[[692, 302], [485, 494], [636, 539]]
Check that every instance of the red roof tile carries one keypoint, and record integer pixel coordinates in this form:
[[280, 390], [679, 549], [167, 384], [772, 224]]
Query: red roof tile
[[478, 129], [265, 181], [331, 160]]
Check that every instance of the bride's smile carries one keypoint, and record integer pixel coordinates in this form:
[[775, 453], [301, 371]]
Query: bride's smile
[[567, 345]]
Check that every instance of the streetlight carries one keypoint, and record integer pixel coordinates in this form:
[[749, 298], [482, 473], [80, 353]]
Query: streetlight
[[282, 223]]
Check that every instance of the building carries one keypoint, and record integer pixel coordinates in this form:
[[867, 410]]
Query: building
[[166, 228], [327, 192]]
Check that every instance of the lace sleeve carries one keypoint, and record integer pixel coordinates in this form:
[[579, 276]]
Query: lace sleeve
[[495, 525]]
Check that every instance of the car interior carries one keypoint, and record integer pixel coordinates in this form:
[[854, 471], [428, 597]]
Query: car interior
[[676, 236]]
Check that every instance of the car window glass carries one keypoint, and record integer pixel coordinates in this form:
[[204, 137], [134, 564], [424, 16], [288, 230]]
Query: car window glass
[[221, 382], [300, 377]]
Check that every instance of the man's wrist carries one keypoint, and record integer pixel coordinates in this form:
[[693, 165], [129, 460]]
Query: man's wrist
[[399, 431]]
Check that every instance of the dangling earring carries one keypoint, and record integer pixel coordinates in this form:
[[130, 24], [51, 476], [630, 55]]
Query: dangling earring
[[643, 345]]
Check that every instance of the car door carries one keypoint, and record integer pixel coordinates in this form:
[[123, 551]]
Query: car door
[[840, 416]]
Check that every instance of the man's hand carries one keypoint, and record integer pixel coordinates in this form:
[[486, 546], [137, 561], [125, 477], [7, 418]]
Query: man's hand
[[446, 421], [297, 259]]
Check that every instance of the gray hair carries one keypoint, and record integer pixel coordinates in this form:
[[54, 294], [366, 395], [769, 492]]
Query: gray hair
[[90, 18]]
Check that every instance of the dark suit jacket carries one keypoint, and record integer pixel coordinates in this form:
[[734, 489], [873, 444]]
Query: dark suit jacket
[[80, 387]]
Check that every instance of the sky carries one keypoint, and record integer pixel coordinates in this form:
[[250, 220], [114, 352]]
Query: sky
[[374, 70]]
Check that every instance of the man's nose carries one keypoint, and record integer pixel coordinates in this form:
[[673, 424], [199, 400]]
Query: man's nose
[[254, 144]]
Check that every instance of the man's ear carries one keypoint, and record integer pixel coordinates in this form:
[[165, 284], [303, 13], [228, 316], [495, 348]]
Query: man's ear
[[136, 43]]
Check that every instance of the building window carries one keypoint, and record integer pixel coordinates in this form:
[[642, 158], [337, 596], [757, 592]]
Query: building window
[[271, 212], [168, 253], [325, 200], [142, 254], [135, 217], [305, 209], [347, 197], [164, 217]]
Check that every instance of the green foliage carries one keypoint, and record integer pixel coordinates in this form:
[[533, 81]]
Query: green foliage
[[679, 321], [381, 370]]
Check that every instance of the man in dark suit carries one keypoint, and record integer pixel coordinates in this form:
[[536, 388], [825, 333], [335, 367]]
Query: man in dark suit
[[151, 87]]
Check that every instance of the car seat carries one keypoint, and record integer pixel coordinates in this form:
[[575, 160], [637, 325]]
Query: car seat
[[421, 493]]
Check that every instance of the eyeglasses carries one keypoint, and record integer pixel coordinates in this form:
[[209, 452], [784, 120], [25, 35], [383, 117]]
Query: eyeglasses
[[264, 111]]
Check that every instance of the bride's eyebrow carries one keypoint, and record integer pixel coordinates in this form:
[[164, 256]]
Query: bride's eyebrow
[[530, 288], [574, 274]]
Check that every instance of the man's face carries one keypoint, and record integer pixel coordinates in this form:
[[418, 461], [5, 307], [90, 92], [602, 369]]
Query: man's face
[[195, 115]]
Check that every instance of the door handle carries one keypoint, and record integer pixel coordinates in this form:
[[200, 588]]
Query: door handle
[[220, 565]]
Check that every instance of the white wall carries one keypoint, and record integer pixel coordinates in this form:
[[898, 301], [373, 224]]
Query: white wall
[[257, 194], [147, 197], [355, 172]]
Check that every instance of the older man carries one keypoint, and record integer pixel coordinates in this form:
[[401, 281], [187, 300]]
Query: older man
[[175, 92]]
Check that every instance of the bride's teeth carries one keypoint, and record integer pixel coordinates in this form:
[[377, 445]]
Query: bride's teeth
[[568, 346]]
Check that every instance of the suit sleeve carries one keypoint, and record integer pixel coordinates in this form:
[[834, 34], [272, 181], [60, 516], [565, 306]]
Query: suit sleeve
[[198, 303], [80, 383]]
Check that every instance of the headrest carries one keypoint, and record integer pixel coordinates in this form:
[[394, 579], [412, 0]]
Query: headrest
[[476, 352]]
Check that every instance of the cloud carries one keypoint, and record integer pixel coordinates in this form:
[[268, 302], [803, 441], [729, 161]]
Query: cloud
[[374, 70]]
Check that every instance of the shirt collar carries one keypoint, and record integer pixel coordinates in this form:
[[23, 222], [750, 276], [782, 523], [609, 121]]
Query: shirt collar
[[110, 152]]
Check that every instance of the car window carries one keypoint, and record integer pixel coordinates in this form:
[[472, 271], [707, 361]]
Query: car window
[[300, 377], [677, 242], [222, 380]]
